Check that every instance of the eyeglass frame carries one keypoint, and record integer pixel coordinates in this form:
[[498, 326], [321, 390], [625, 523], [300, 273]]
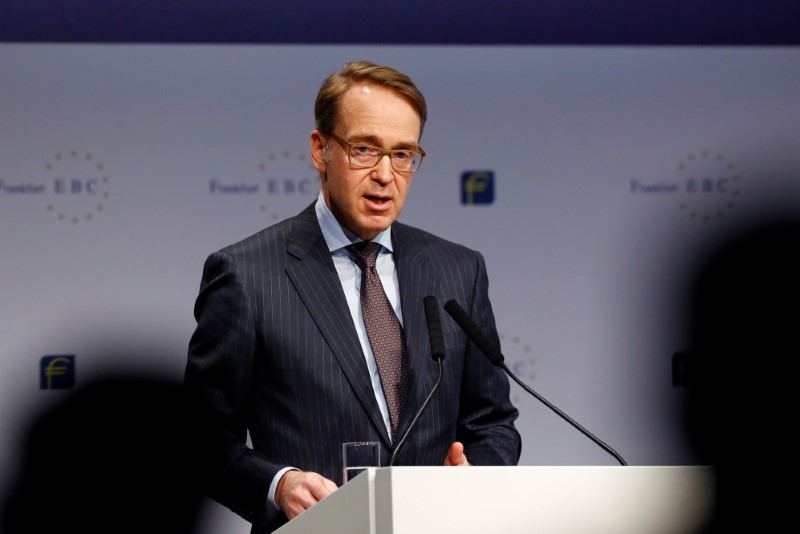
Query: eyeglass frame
[[383, 151]]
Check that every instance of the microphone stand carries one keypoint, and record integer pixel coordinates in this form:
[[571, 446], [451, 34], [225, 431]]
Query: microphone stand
[[488, 349], [419, 413], [437, 352], [564, 416]]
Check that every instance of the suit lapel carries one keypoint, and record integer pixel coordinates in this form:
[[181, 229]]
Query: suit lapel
[[314, 276], [417, 279]]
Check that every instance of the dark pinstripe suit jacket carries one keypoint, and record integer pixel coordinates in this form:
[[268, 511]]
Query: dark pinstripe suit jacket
[[275, 353]]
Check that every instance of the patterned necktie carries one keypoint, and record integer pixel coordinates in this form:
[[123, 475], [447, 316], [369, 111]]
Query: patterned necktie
[[384, 332]]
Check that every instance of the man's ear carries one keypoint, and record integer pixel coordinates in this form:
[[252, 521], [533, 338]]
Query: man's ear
[[317, 151]]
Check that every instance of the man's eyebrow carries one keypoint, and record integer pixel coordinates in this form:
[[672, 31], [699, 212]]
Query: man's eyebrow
[[370, 139]]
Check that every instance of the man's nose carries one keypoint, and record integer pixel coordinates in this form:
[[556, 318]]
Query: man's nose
[[383, 170]]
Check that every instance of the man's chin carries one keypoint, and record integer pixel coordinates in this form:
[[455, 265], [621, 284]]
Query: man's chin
[[373, 225]]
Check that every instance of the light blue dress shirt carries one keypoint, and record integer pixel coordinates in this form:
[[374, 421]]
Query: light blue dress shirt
[[338, 238]]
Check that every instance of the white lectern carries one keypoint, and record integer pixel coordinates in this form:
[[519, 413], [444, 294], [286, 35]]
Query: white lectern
[[516, 500]]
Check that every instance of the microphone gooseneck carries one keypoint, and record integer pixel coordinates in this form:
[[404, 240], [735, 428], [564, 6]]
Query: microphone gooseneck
[[437, 353], [492, 352]]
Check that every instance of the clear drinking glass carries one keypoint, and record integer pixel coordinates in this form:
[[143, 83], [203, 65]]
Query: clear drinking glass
[[357, 456]]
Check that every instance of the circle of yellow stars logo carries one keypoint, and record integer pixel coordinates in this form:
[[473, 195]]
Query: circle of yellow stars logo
[[716, 163], [274, 161], [86, 164], [520, 360]]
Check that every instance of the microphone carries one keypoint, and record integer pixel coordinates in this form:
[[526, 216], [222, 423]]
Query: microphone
[[492, 352], [436, 339], [434, 328]]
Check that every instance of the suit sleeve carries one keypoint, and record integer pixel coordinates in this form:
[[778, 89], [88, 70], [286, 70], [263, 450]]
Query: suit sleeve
[[486, 417], [219, 379]]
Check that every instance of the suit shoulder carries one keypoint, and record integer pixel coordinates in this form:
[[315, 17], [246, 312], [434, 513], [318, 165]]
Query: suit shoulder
[[433, 242], [302, 228], [266, 237]]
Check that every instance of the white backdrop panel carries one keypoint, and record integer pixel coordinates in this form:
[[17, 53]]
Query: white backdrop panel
[[123, 166]]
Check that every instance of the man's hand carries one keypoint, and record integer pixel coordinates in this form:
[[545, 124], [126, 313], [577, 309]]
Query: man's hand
[[455, 456], [298, 491]]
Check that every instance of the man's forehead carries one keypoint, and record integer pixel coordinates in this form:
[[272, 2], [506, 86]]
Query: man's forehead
[[359, 99]]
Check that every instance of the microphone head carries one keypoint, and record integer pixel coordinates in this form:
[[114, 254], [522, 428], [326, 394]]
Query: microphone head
[[435, 334], [474, 332]]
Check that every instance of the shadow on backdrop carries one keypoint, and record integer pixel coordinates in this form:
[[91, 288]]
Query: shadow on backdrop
[[111, 456], [743, 328]]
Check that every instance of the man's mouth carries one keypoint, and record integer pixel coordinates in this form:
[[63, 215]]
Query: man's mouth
[[377, 201]]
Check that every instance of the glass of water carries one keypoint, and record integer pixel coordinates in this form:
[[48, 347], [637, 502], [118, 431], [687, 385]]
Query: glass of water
[[357, 456]]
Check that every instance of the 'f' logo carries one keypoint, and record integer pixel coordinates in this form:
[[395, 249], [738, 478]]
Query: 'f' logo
[[477, 187], [57, 372]]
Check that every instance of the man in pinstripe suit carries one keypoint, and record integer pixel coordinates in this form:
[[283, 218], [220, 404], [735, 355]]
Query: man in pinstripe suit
[[281, 353]]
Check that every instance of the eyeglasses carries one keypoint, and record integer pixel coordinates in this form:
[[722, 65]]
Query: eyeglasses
[[368, 156]]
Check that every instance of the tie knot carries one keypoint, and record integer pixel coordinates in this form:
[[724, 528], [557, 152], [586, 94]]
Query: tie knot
[[366, 253]]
